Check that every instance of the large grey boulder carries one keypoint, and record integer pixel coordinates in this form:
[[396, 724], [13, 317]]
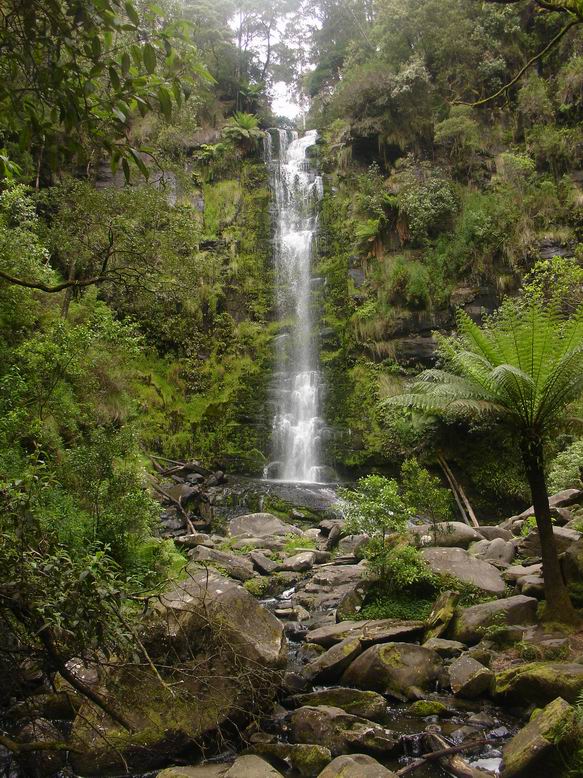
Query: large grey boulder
[[496, 550], [469, 624], [448, 649], [490, 533], [560, 500], [259, 525], [252, 766], [572, 562], [234, 566], [305, 759], [368, 705], [353, 545], [401, 670], [356, 766], [564, 538], [468, 678], [539, 683], [460, 564], [540, 748], [368, 632], [447, 534], [299, 563], [339, 731], [218, 653], [330, 665]]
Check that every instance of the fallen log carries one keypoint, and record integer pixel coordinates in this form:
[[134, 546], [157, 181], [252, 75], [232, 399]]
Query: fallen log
[[448, 757]]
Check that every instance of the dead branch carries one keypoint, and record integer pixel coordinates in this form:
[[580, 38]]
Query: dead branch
[[441, 752]]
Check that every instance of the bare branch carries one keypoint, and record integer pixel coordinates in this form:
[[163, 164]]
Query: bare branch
[[530, 62]]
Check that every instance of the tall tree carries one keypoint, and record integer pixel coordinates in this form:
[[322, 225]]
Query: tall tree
[[524, 369]]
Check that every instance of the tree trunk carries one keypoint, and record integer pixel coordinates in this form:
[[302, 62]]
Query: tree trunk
[[558, 603]]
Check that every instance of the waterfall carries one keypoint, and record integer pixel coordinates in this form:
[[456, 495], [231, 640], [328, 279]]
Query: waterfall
[[297, 425]]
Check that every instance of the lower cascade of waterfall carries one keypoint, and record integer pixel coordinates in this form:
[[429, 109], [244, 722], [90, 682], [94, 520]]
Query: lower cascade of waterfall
[[298, 427]]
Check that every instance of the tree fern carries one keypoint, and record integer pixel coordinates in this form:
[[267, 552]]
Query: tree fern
[[524, 368]]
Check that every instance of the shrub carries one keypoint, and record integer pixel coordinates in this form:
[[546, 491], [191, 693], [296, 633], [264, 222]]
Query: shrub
[[566, 470]]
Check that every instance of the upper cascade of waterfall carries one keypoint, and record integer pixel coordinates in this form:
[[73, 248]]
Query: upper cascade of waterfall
[[298, 427]]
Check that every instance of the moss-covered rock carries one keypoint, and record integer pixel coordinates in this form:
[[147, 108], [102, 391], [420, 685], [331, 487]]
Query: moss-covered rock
[[423, 708], [369, 705], [540, 683], [204, 636], [307, 759], [542, 745], [339, 731], [401, 670]]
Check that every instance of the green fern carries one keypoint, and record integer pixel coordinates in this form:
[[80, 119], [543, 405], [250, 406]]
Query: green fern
[[524, 368]]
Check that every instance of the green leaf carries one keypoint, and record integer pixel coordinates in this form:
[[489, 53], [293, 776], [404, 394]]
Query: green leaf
[[132, 14], [126, 169], [114, 78], [150, 58], [125, 63], [140, 163], [165, 102]]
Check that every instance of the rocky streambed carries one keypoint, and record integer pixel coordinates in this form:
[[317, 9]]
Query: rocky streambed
[[260, 664]]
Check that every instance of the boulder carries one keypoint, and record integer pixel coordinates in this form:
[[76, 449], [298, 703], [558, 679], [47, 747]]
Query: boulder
[[460, 564], [234, 566], [572, 562], [530, 545], [353, 545], [307, 760], [469, 624], [352, 600], [532, 586], [516, 572], [447, 534], [39, 764], [448, 649], [423, 709], [490, 533], [199, 771], [194, 539], [496, 550], [441, 615], [368, 705], [252, 766], [560, 500], [263, 564], [339, 731], [368, 632], [222, 654], [356, 766], [539, 683], [260, 525], [330, 665], [299, 563], [400, 670], [469, 678], [541, 746]]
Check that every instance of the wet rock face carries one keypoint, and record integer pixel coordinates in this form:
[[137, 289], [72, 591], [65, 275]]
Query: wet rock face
[[400, 670], [542, 744]]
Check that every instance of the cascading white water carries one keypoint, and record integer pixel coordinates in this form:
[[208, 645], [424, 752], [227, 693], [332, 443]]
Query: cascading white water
[[297, 425]]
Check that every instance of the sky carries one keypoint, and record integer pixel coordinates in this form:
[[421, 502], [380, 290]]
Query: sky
[[283, 101]]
